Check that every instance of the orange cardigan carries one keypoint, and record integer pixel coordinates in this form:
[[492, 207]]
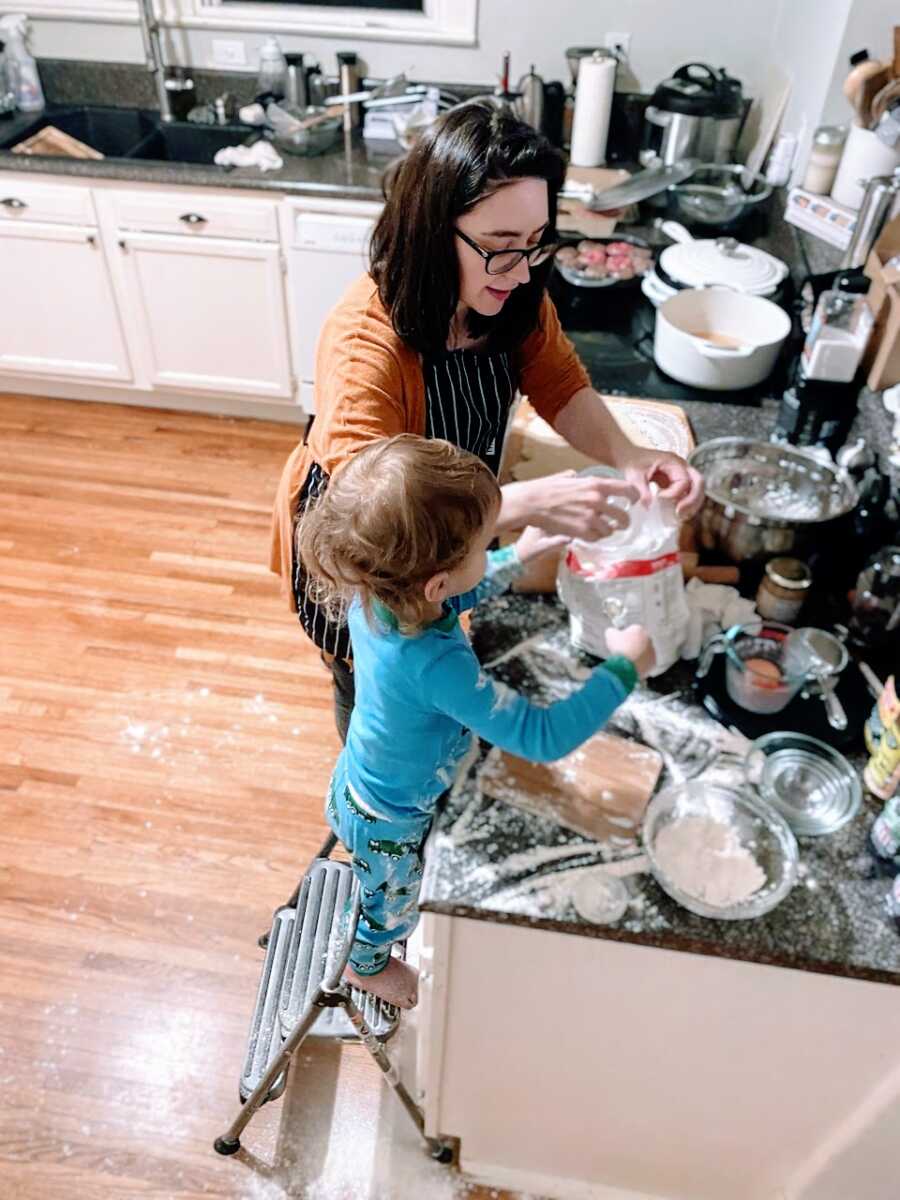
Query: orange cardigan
[[369, 385]]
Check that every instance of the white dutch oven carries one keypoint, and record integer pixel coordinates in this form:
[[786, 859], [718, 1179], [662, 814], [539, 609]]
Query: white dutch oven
[[719, 339]]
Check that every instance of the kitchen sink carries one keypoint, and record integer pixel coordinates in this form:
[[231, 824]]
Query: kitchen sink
[[112, 131], [135, 133], [187, 143]]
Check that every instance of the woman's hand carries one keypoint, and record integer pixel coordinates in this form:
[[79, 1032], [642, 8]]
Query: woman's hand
[[574, 506], [677, 482], [634, 643], [534, 543]]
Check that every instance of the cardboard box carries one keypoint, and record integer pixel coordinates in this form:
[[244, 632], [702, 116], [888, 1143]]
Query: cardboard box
[[882, 357], [821, 216]]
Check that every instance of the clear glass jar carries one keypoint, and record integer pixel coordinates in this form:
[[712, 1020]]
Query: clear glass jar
[[783, 590], [824, 158]]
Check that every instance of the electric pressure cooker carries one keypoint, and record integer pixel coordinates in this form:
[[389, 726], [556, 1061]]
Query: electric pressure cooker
[[696, 114]]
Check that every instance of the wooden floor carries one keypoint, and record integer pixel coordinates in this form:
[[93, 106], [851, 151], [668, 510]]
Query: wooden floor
[[165, 740]]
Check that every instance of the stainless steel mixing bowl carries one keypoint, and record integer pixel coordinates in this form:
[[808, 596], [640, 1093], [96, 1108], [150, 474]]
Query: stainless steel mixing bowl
[[764, 499]]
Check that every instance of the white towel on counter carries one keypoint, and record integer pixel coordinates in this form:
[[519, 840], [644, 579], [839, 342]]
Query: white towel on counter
[[712, 607], [261, 154]]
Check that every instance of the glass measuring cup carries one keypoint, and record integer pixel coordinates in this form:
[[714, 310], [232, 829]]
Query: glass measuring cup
[[759, 676]]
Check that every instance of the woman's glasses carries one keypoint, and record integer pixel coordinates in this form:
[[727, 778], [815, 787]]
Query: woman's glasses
[[498, 262]]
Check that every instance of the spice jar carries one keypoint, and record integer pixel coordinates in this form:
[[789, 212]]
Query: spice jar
[[784, 589], [824, 157]]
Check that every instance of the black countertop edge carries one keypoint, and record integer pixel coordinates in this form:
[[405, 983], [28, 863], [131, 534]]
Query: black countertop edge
[[660, 941]]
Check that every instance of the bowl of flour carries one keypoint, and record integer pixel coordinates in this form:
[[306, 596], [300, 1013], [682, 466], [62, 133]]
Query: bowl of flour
[[719, 853]]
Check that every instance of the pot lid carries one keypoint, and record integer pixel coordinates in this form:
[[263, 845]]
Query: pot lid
[[707, 261], [697, 90]]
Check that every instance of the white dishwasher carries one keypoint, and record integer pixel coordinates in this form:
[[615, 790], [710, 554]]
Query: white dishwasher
[[327, 243]]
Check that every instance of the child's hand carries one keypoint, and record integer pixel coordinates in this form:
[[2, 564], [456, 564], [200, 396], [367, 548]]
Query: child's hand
[[634, 643], [533, 543]]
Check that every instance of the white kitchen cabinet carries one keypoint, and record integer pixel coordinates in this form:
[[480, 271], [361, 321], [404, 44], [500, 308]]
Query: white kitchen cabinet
[[58, 313], [209, 313]]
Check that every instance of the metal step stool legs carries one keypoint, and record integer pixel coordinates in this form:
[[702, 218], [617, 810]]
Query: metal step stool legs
[[321, 929]]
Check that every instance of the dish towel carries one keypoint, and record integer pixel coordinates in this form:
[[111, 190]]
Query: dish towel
[[261, 154], [712, 608]]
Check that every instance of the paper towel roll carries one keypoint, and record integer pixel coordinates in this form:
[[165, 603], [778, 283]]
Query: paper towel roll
[[593, 105]]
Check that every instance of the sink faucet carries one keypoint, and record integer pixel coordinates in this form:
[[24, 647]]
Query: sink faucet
[[153, 51]]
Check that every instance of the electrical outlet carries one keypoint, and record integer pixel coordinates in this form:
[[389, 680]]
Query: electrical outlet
[[229, 52], [618, 41]]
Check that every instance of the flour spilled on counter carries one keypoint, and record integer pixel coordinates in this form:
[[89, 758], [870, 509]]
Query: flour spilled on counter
[[706, 859]]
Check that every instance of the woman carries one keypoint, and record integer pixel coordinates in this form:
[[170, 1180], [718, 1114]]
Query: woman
[[451, 321]]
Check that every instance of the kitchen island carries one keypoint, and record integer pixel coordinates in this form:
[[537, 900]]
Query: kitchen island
[[664, 1057]]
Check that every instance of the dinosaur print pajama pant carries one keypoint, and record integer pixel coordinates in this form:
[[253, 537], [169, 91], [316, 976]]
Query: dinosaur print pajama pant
[[386, 856]]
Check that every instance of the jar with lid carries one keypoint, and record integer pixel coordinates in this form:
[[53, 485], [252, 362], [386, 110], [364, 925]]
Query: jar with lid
[[824, 158], [784, 589]]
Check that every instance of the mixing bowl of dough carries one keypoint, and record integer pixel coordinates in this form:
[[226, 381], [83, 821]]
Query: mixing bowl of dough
[[718, 852]]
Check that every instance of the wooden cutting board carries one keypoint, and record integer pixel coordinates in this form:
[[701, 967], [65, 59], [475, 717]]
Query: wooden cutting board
[[600, 790]]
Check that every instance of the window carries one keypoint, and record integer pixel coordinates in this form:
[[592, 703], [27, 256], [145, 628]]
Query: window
[[446, 22], [440, 22]]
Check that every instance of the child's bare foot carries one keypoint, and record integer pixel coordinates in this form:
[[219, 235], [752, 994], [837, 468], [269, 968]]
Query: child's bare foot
[[398, 983]]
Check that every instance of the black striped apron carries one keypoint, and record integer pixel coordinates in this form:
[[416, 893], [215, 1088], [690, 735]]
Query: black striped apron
[[467, 400]]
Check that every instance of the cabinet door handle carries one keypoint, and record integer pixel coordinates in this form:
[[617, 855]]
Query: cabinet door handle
[[91, 239], [13, 202], [192, 219], [123, 245]]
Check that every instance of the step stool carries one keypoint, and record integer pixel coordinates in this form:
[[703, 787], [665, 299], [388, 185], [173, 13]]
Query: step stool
[[301, 994]]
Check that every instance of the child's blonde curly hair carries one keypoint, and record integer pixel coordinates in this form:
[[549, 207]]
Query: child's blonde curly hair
[[401, 511]]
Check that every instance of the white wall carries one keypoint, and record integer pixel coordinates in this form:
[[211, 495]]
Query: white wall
[[666, 33]]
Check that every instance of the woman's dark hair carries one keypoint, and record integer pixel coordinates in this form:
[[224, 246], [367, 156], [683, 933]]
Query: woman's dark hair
[[413, 256]]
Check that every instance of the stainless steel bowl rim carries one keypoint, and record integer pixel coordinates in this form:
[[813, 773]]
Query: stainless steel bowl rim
[[840, 479]]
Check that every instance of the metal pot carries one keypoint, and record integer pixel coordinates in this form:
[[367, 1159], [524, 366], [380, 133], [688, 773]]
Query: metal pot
[[719, 339], [765, 499]]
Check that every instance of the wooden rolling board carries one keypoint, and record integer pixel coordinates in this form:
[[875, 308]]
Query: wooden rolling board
[[600, 790], [51, 140]]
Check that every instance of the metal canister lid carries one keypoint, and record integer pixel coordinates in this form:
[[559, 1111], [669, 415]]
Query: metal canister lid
[[789, 573], [830, 135]]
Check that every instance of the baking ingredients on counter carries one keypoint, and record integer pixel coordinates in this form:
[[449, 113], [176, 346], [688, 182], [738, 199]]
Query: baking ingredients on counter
[[600, 897], [632, 576], [718, 339], [824, 158], [719, 852], [813, 786], [837, 338], [882, 734], [784, 589], [764, 499], [599, 263], [706, 859], [593, 108]]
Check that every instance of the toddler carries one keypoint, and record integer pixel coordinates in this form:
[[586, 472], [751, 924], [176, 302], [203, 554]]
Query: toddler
[[401, 536]]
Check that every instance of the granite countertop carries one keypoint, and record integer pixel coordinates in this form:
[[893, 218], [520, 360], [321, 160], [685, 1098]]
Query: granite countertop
[[491, 861]]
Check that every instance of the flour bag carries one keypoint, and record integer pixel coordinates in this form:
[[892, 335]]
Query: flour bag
[[632, 577]]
